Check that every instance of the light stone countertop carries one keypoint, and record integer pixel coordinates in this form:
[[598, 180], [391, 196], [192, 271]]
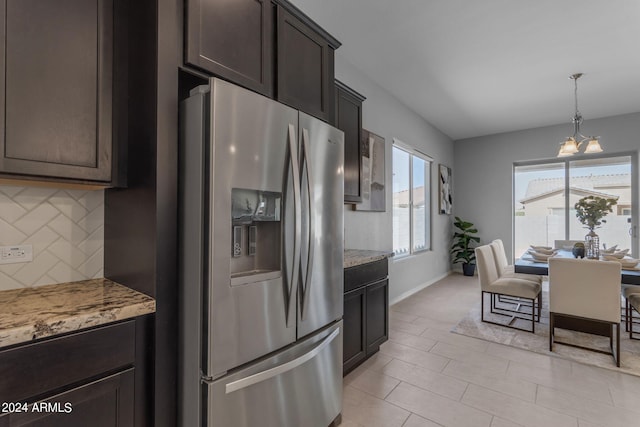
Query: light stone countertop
[[44, 311], [354, 257]]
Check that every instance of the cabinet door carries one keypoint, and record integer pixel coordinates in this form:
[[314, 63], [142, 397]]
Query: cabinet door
[[42, 367], [377, 318], [232, 40], [354, 349], [56, 88], [304, 67], [107, 402], [349, 120]]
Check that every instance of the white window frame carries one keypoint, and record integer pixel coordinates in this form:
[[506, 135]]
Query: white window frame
[[633, 155], [428, 164]]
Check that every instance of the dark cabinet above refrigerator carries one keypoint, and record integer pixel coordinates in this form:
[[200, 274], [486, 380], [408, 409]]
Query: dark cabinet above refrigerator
[[236, 45], [270, 47], [305, 66]]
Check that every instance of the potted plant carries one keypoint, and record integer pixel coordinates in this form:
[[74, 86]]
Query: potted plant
[[590, 211], [462, 249]]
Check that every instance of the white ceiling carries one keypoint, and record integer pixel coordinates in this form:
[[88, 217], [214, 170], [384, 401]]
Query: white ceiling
[[474, 68]]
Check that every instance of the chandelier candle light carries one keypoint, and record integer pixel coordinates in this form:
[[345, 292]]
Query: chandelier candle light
[[573, 143]]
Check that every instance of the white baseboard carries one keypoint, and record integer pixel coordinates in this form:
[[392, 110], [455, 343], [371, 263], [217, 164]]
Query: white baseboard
[[418, 289]]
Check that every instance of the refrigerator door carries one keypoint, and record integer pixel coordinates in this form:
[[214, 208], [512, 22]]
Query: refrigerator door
[[320, 291], [252, 162], [300, 386]]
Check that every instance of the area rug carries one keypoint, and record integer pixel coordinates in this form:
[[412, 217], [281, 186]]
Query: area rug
[[472, 326]]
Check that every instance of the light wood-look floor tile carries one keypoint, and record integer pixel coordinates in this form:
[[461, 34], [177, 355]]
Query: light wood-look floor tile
[[514, 409], [500, 422], [374, 383], [417, 357], [589, 410], [417, 421], [417, 342], [426, 376], [368, 411], [437, 408], [515, 387], [444, 385]]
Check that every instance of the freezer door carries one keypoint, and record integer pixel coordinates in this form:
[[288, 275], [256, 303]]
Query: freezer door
[[320, 290], [252, 162], [301, 386]]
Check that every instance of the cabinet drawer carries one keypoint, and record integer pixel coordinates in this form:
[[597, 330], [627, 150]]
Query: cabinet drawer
[[360, 275], [42, 367]]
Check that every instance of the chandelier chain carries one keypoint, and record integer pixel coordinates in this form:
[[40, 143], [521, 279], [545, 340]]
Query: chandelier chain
[[573, 144]]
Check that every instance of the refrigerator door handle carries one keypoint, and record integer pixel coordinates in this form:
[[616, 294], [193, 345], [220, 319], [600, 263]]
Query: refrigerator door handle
[[280, 369], [310, 223], [295, 171]]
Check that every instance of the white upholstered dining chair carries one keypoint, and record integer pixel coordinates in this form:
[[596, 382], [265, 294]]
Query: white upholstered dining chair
[[584, 295], [633, 302], [503, 266], [495, 285], [631, 293]]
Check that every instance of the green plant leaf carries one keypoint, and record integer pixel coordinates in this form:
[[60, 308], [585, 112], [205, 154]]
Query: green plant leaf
[[464, 240]]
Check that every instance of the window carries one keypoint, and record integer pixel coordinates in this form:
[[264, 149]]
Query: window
[[545, 193], [411, 201]]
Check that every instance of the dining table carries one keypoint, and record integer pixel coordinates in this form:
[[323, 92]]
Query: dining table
[[526, 264]]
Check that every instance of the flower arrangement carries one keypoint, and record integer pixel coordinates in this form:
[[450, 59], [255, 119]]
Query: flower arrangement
[[591, 210]]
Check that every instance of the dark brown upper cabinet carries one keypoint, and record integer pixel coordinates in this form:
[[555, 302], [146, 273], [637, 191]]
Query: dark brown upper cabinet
[[233, 40], [268, 46], [349, 120], [56, 69], [305, 63]]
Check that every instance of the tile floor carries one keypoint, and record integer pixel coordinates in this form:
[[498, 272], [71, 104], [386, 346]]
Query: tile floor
[[426, 376]]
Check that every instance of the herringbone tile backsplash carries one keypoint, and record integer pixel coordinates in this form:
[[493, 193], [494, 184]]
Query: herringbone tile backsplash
[[65, 227]]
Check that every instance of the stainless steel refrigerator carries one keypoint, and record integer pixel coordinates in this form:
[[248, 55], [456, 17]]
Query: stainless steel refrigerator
[[261, 262]]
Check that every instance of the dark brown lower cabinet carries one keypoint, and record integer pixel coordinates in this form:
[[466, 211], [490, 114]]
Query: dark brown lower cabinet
[[377, 300], [107, 402], [77, 380], [354, 349], [366, 312]]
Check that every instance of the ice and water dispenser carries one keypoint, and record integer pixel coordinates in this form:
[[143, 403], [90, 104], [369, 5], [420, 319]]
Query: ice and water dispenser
[[255, 235]]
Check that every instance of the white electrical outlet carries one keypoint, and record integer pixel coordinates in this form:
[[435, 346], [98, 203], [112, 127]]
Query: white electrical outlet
[[16, 254]]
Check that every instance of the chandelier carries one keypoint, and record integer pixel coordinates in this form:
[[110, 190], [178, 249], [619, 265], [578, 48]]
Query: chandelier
[[572, 144]]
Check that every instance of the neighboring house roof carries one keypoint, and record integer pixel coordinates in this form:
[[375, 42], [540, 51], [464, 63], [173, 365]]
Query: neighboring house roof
[[401, 198], [572, 190], [588, 185]]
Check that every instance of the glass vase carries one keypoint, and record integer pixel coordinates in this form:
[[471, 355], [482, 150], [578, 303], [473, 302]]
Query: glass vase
[[592, 245]]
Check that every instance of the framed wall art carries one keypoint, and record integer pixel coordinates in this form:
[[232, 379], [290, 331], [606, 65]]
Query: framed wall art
[[445, 189], [372, 151]]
